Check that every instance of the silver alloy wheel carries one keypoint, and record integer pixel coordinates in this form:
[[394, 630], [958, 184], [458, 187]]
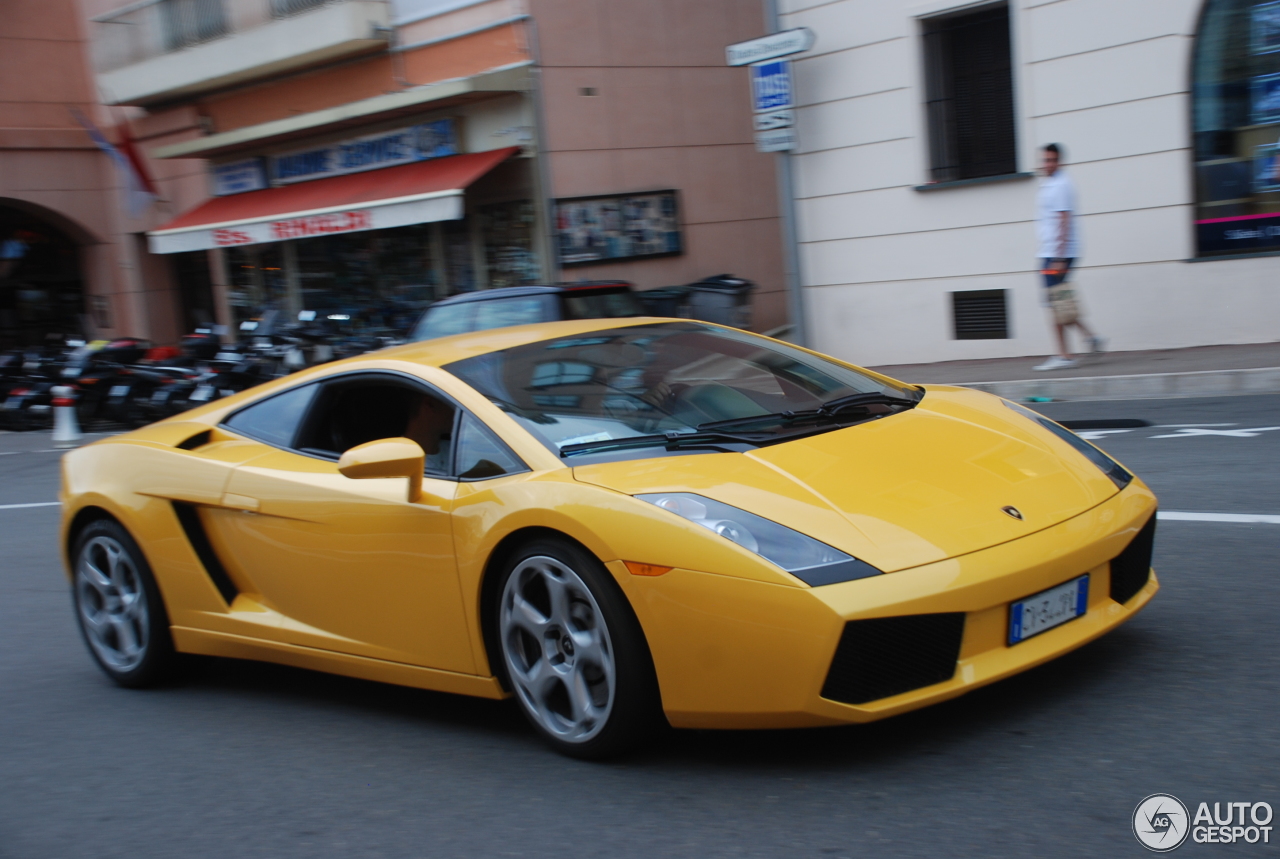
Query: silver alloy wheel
[[557, 650], [112, 603]]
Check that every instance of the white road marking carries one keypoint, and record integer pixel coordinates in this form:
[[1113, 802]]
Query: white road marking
[[1188, 432], [37, 504], [1241, 518], [1095, 434]]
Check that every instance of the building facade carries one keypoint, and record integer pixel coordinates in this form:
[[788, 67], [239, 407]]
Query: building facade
[[370, 156], [920, 128], [63, 236]]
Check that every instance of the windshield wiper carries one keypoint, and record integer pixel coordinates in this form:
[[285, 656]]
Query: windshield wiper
[[826, 412], [871, 398], [671, 441]]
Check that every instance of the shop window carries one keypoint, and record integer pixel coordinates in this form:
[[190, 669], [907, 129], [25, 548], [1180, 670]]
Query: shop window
[[969, 95], [195, 288], [459, 263], [257, 280], [507, 229], [378, 280], [1236, 121]]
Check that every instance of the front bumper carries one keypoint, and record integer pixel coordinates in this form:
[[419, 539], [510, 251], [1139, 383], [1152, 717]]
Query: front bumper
[[737, 653]]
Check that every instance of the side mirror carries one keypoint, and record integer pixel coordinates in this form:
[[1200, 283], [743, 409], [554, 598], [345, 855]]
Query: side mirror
[[387, 457]]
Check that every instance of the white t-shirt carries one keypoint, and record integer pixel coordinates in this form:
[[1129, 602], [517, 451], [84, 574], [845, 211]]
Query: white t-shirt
[[1057, 194]]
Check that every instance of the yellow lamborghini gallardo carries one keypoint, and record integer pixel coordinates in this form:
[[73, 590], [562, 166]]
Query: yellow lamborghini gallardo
[[616, 522]]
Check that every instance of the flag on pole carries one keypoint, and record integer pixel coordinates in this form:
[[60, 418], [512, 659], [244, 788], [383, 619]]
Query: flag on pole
[[129, 147], [139, 190]]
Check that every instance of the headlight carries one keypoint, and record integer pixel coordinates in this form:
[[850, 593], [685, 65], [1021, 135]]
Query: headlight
[[1119, 476], [809, 560]]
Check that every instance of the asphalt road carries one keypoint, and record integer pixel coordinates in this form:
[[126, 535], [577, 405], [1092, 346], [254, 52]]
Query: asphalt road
[[250, 760]]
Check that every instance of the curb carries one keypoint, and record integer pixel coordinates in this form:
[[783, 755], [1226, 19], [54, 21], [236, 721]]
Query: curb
[[1200, 383]]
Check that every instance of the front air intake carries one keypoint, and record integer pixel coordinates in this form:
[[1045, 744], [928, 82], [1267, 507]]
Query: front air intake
[[887, 656], [1131, 569]]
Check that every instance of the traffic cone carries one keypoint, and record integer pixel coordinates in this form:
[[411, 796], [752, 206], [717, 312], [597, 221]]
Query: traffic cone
[[66, 428]]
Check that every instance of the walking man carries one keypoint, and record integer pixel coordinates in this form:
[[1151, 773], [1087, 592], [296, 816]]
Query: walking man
[[1059, 249]]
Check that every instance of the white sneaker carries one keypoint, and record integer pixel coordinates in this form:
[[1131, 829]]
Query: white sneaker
[[1057, 362], [1097, 345]]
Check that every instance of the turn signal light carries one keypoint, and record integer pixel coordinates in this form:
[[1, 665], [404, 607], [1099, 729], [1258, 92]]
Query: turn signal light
[[639, 569]]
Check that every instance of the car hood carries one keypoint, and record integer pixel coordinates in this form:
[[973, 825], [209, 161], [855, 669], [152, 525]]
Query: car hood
[[909, 489]]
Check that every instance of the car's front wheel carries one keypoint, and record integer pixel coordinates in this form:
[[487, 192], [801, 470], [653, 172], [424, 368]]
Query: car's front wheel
[[574, 653], [118, 607]]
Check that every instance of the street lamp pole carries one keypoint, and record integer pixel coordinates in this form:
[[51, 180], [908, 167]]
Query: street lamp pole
[[787, 213]]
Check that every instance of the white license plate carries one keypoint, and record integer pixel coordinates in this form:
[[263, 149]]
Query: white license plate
[[1047, 609], [159, 396], [202, 393], [118, 391]]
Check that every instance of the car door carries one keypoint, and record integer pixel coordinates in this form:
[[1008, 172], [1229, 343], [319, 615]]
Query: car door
[[350, 565]]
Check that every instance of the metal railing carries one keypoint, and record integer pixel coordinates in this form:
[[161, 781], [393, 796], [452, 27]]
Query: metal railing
[[285, 8], [149, 28], [184, 23]]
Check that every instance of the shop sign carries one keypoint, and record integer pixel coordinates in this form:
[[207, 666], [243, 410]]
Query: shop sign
[[599, 229], [1245, 234], [383, 215], [422, 142], [295, 228], [239, 177]]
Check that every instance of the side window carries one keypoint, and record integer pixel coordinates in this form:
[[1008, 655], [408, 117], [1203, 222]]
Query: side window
[[445, 319], [368, 408], [500, 313], [482, 455], [274, 420]]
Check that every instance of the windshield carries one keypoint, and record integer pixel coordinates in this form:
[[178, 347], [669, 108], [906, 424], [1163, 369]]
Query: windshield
[[660, 378]]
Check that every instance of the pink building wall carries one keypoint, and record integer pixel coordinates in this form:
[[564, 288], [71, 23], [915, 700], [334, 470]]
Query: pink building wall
[[49, 168], [667, 113]]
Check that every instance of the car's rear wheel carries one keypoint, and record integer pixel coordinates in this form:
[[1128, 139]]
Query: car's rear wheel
[[118, 607], [574, 653]]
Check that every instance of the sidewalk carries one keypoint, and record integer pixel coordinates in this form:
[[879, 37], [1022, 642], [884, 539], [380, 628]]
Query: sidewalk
[[1200, 371]]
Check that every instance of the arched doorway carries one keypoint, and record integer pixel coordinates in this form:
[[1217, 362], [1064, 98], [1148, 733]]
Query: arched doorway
[[1235, 108], [41, 289]]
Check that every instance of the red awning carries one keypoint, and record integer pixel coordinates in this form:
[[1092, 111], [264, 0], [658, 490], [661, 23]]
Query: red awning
[[415, 193]]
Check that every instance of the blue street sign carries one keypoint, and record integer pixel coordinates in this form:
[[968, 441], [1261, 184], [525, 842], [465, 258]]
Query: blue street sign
[[771, 85]]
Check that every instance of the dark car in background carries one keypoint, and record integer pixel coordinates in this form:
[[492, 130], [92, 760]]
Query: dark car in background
[[522, 305]]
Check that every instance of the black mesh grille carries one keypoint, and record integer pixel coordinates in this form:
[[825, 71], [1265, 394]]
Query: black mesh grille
[[980, 314], [1131, 569], [890, 655]]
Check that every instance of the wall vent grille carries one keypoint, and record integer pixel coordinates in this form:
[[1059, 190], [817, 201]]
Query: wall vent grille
[[981, 314]]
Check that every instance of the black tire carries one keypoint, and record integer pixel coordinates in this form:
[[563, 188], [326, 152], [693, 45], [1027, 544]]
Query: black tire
[[548, 646], [118, 607]]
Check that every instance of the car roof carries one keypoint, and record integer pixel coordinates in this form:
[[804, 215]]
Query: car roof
[[446, 350], [520, 291]]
